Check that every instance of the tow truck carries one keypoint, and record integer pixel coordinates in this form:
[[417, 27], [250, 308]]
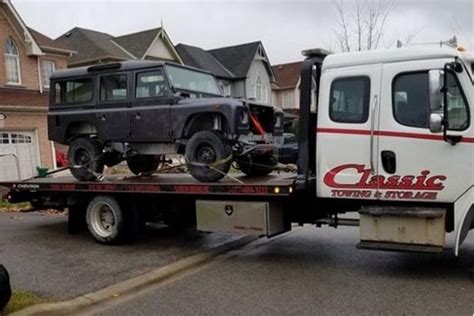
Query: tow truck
[[387, 135]]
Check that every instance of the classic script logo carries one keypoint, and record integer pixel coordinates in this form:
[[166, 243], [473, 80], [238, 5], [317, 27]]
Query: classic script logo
[[399, 186]]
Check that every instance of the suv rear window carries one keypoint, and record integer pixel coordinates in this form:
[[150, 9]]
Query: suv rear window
[[73, 91], [113, 88]]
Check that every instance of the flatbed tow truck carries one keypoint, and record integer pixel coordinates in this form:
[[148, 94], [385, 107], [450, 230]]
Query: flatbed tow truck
[[391, 142]]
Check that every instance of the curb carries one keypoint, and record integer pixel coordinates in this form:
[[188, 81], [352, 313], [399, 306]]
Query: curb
[[133, 284]]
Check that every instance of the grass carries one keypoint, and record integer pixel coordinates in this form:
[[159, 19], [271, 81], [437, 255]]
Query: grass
[[22, 299], [6, 206]]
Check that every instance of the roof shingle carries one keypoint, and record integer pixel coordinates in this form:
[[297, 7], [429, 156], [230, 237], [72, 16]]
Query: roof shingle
[[287, 75], [137, 43], [199, 58], [237, 59]]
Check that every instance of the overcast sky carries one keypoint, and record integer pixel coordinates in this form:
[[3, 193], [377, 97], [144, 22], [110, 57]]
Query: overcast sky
[[285, 27]]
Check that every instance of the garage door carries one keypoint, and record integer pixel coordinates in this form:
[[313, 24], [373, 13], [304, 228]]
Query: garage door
[[21, 147]]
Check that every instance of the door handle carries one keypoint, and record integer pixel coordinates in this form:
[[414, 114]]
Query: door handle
[[137, 116], [372, 133], [102, 116], [389, 161]]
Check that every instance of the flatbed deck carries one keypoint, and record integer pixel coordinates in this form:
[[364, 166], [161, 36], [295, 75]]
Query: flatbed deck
[[239, 185]]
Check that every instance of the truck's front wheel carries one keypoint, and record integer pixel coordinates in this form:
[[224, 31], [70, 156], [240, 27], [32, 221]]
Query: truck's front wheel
[[85, 159], [208, 156], [107, 221]]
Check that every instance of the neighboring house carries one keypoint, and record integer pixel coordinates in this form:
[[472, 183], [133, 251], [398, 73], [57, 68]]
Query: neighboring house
[[95, 47], [286, 88], [28, 58], [243, 71]]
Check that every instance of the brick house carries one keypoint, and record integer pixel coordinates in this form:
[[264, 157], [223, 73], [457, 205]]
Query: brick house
[[28, 58]]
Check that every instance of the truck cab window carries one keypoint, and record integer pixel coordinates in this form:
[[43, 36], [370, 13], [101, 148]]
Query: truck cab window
[[350, 99], [411, 100], [113, 88], [457, 110], [151, 84]]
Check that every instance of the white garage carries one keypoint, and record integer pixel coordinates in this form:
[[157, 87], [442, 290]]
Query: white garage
[[19, 155]]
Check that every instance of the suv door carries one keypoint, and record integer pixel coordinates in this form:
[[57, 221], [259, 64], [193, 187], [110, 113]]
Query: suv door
[[113, 103], [150, 118], [415, 164], [346, 144]]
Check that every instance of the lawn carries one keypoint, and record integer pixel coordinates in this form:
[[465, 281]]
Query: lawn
[[10, 207], [21, 299]]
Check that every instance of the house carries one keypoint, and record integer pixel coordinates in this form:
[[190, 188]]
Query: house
[[27, 60], [243, 71], [95, 47], [286, 87]]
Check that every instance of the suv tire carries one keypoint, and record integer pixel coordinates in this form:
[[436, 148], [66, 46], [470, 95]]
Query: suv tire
[[257, 165], [85, 159], [208, 148], [144, 165]]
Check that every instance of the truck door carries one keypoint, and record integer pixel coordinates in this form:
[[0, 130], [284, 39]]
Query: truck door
[[114, 101], [150, 119], [346, 143], [415, 164]]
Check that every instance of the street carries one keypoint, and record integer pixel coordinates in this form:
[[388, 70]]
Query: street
[[316, 271], [44, 259]]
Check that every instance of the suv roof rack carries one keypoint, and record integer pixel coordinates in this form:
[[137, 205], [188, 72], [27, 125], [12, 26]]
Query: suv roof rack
[[104, 67]]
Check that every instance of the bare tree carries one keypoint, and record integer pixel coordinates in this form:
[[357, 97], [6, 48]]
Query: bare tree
[[361, 24]]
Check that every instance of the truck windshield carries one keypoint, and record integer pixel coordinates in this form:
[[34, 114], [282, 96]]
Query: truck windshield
[[190, 80]]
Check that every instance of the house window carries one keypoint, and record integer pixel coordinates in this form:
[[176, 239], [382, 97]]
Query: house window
[[260, 90], [226, 90], [12, 62], [48, 67], [287, 99]]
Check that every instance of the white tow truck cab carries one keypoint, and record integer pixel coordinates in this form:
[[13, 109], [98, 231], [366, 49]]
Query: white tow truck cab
[[391, 137]]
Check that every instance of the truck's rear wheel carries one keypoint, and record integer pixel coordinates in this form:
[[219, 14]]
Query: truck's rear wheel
[[208, 156], [144, 165], [107, 222], [257, 165], [85, 159]]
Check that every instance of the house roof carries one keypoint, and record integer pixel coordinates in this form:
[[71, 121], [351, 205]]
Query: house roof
[[138, 43], [237, 59], [47, 43], [199, 58], [287, 75], [91, 45]]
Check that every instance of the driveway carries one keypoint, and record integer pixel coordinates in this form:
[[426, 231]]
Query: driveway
[[43, 258]]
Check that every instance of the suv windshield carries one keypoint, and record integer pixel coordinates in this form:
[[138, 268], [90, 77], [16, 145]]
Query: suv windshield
[[190, 80]]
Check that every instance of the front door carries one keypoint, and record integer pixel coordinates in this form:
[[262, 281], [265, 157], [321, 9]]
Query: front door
[[150, 119], [415, 164], [346, 141]]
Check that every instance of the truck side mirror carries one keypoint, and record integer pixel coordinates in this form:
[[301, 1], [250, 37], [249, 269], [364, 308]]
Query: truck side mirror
[[436, 84], [436, 122]]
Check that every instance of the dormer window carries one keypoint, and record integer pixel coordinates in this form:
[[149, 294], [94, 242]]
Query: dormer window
[[260, 90], [12, 62]]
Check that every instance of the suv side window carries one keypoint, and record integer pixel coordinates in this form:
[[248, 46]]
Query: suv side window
[[411, 101], [350, 100], [73, 91], [152, 84], [113, 87]]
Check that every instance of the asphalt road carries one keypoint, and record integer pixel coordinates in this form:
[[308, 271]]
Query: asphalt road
[[317, 272], [43, 258]]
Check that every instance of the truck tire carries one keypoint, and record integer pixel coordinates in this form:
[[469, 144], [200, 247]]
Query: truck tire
[[257, 165], [107, 222], [85, 159], [5, 288], [144, 165], [208, 148]]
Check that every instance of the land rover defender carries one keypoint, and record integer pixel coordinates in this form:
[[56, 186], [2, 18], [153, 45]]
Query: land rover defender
[[141, 111]]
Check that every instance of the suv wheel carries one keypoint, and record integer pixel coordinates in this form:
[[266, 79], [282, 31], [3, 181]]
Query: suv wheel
[[208, 156], [144, 165], [85, 159], [257, 165]]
